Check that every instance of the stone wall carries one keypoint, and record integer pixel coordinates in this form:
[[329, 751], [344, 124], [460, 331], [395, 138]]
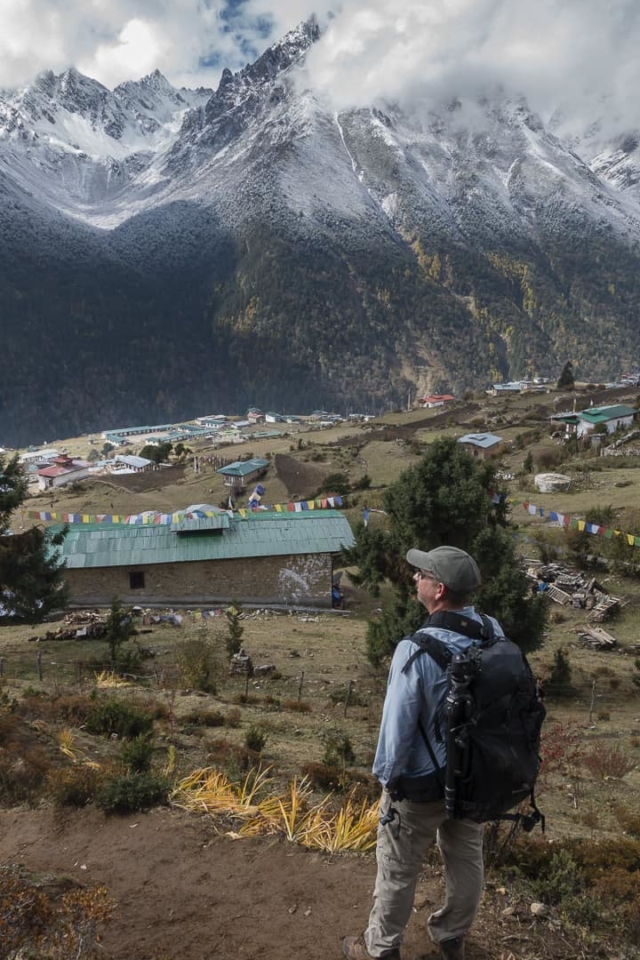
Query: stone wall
[[302, 580]]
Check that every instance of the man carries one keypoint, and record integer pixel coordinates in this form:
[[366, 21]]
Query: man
[[445, 578]]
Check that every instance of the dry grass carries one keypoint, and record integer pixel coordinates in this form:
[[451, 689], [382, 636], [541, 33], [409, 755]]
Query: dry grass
[[316, 655]]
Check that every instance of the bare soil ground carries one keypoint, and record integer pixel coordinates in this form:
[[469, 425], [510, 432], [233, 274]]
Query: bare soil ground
[[184, 892]]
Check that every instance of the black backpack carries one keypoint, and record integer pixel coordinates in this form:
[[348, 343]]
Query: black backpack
[[490, 722]]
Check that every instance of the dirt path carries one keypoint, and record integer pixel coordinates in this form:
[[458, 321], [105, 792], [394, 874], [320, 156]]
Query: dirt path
[[185, 893]]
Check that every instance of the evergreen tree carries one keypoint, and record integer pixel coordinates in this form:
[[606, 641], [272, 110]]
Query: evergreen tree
[[566, 379], [120, 628], [235, 628], [558, 683], [31, 583], [444, 499]]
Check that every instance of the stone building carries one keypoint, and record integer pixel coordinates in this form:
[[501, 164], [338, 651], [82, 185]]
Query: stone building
[[270, 558], [483, 446]]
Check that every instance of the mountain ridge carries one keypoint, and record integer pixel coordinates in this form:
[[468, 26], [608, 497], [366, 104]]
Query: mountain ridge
[[249, 244]]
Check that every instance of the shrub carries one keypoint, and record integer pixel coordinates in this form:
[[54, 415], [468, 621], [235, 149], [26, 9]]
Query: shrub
[[548, 457], [322, 776], [132, 792], [339, 695], [204, 718], [38, 921], [232, 758], [364, 483], [246, 698], [136, 754], [335, 483], [68, 708], [297, 706], [74, 786], [198, 664], [24, 763], [233, 717], [559, 879], [605, 761], [338, 751], [111, 717], [629, 820], [255, 739]]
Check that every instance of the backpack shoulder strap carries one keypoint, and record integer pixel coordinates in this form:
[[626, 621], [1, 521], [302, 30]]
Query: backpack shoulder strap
[[458, 623], [427, 643], [448, 620]]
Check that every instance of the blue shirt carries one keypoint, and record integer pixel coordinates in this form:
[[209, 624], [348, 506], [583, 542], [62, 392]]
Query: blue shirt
[[412, 694]]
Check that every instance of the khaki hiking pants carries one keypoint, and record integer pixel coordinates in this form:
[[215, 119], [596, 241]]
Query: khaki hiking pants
[[400, 852]]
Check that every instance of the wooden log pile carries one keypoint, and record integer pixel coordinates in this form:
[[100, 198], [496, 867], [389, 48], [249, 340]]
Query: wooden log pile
[[570, 588], [597, 638], [79, 625]]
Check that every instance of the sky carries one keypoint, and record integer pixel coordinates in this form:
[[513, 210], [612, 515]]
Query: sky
[[579, 54]]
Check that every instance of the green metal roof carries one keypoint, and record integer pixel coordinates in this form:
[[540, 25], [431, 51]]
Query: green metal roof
[[603, 414], [262, 534], [243, 467], [221, 521]]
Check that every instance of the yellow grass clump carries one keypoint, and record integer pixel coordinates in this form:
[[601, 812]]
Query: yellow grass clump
[[67, 745], [107, 678], [352, 826]]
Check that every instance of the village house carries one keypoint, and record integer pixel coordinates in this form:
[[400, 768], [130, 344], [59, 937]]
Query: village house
[[435, 400], [254, 415], [276, 559], [61, 471], [127, 463], [483, 446], [614, 417], [243, 472], [500, 389]]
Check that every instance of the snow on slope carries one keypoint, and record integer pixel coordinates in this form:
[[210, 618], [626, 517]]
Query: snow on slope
[[262, 146]]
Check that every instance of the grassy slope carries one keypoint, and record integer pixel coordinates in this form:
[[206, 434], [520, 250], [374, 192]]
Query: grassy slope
[[324, 653]]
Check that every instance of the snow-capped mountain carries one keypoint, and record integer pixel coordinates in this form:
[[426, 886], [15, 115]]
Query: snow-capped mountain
[[189, 249], [76, 143]]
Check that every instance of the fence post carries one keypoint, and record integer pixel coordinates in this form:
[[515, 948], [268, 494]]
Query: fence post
[[348, 696], [1, 666], [300, 685], [593, 700], [39, 664]]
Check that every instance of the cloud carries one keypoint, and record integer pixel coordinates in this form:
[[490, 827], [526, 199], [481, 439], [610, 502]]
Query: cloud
[[115, 40], [580, 55]]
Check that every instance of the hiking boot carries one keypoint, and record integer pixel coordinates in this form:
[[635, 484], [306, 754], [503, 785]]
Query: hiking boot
[[452, 949], [354, 948]]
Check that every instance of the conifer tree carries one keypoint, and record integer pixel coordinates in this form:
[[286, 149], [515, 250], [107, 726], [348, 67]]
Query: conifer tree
[[444, 499], [566, 379], [31, 583]]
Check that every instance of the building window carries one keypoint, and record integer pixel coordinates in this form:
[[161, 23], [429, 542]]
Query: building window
[[136, 580]]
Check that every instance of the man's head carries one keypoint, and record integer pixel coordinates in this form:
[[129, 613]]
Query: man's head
[[445, 577]]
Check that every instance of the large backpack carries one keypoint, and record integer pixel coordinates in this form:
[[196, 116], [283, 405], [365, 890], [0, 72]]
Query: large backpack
[[490, 721]]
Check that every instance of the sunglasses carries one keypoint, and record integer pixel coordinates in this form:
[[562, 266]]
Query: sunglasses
[[423, 575]]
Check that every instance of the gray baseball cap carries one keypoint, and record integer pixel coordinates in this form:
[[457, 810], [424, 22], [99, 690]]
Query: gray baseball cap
[[449, 565]]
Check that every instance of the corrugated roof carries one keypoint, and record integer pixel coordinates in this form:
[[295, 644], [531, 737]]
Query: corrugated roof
[[484, 440], [133, 461], [243, 467], [221, 521], [262, 534], [604, 414]]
